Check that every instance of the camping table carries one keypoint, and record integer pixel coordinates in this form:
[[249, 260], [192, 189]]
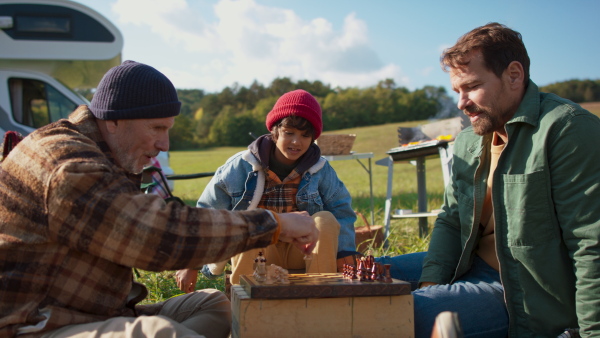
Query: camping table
[[415, 153]]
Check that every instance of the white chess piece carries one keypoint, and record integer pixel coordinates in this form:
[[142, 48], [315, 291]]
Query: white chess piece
[[270, 273], [285, 276], [261, 271]]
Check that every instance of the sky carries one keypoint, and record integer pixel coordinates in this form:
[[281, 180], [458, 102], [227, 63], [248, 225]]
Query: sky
[[209, 45]]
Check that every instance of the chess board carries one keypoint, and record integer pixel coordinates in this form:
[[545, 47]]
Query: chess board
[[321, 285]]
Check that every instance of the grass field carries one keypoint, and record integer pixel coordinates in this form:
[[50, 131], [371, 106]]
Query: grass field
[[377, 139], [593, 107]]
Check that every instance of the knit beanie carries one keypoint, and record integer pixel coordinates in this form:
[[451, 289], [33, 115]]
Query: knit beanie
[[134, 90], [300, 103]]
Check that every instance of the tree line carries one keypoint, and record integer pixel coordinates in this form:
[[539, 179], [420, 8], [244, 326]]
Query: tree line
[[235, 115], [578, 91]]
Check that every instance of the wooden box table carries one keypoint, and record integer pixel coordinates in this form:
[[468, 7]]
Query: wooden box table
[[321, 305]]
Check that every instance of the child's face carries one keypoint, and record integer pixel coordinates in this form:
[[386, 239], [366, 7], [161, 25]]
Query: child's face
[[291, 144]]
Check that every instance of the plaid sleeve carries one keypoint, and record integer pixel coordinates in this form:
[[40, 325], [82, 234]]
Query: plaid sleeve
[[95, 210]]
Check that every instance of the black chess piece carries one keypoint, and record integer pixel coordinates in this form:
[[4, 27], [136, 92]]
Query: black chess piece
[[360, 271], [388, 276]]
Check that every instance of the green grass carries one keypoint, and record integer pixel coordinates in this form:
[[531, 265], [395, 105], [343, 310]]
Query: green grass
[[404, 236]]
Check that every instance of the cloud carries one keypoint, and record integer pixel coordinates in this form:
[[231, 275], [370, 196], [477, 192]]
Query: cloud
[[173, 21], [426, 71], [246, 41]]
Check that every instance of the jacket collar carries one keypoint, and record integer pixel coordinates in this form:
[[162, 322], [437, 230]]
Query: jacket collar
[[83, 119], [527, 112], [529, 109]]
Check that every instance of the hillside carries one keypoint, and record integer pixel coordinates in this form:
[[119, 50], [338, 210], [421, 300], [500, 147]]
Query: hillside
[[375, 139], [593, 107]]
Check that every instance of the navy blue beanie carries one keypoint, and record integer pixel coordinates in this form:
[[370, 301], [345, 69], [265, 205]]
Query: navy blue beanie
[[134, 90]]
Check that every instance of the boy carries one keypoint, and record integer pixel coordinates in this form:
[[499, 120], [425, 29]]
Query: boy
[[284, 172]]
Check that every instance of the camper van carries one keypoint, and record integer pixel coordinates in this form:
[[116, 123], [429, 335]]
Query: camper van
[[48, 48]]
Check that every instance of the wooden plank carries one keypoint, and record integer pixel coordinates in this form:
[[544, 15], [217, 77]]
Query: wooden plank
[[380, 317], [321, 285], [384, 316]]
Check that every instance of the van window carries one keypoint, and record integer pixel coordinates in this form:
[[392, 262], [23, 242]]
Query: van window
[[36, 103]]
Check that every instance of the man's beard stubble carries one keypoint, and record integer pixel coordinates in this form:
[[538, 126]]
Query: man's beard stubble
[[487, 122]]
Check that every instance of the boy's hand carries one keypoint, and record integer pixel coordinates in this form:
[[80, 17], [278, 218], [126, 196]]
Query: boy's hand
[[299, 229], [186, 280]]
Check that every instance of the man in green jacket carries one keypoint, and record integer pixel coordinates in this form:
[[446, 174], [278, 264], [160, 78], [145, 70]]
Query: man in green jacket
[[515, 251]]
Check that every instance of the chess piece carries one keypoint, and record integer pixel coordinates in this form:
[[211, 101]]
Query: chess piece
[[388, 276], [349, 272], [353, 273], [256, 260], [260, 272], [270, 273], [370, 260], [285, 277], [361, 271], [373, 276], [380, 272]]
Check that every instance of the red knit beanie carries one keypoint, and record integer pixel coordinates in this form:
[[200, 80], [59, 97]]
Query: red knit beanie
[[300, 103]]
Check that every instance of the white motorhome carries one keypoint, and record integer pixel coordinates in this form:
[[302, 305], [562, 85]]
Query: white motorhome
[[48, 47]]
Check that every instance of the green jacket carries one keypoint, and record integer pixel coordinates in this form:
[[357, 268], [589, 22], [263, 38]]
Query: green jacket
[[546, 200]]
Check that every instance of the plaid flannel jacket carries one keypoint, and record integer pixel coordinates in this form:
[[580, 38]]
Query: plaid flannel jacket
[[73, 224]]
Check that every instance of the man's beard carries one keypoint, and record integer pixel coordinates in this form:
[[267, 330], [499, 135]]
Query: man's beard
[[487, 121], [125, 161]]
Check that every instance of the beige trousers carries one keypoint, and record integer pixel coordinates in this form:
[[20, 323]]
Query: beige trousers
[[204, 313], [289, 257]]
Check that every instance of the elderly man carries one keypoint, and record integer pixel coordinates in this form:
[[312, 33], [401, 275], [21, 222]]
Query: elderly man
[[73, 223], [516, 249]]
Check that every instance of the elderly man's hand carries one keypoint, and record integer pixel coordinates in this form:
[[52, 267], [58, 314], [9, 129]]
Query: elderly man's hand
[[299, 228]]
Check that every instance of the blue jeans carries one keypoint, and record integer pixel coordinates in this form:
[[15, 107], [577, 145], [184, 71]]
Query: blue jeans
[[477, 297]]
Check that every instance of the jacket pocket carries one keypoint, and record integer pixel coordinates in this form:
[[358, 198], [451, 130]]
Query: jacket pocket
[[239, 200], [310, 202], [528, 209]]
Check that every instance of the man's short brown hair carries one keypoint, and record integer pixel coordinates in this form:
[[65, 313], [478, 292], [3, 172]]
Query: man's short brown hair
[[498, 44]]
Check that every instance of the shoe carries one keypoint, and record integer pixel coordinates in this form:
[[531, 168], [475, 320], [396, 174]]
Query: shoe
[[447, 325]]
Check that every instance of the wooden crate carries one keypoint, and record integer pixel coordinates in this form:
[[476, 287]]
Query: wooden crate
[[322, 285], [349, 316]]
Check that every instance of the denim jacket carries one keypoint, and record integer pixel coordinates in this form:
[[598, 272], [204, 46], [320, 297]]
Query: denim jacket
[[239, 184], [546, 200]]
